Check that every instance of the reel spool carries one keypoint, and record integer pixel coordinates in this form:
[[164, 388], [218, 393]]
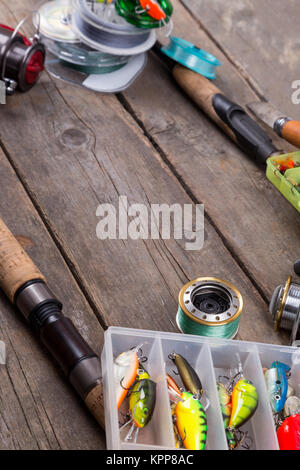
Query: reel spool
[[189, 55], [209, 307], [99, 26], [285, 309], [21, 61], [55, 21]]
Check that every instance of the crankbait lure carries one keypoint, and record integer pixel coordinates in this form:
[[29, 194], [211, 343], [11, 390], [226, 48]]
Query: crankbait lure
[[244, 403], [277, 385], [172, 385], [288, 433], [153, 8], [142, 401], [125, 371], [191, 422], [226, 409], [291, 407], [188, 375]]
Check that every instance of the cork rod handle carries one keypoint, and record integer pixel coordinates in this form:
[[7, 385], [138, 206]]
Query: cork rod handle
[[291, 132], [201, 91], [16, 268]]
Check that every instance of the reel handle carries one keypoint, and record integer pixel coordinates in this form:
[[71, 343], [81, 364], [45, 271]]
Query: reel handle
[[16, 267]]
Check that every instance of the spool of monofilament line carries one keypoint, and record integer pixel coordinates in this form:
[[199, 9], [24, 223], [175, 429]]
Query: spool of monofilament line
[[209, 307]]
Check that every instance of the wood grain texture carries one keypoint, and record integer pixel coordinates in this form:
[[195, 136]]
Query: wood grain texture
[[127, 281], [38, 408], [260, 227], [261, 39]]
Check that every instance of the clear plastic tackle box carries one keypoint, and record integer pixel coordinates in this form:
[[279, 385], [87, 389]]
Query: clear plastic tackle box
[[211, 358]]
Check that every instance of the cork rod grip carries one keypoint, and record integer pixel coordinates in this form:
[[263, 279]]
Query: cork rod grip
[[16, 268], [201, 91], [95, 403], [291, 132]]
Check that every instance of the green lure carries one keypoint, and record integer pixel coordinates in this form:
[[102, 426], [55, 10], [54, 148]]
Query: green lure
[[244, 403], [142, 400]]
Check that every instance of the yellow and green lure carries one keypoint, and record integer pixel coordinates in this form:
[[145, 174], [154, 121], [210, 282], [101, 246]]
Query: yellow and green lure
[[244, 403], [142, 400], [226, 409], [191, 422]]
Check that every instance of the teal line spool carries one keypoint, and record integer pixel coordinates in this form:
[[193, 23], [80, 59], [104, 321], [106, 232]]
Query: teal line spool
[[209, 307], [187, 54]]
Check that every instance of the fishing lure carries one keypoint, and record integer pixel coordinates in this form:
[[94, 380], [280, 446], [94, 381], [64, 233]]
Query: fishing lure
[[125, 371], [177, 438], [277, 385], [244, 403], [226, 409], [288, 433], [172, 386], [142, 400], [191, 422], [188, 375], [153, 8], [291, 406]]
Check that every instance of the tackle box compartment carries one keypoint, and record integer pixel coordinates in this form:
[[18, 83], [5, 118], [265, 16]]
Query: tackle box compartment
[[211, 358], [286, 183]]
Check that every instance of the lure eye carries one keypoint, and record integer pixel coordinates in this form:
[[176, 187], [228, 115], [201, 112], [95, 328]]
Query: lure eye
[[278, 382], [145, 411], [277, 397]]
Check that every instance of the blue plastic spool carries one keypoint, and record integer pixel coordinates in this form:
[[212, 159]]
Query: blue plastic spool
[[187, 54]]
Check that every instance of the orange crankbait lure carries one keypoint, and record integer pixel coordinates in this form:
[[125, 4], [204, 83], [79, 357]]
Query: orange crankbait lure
[[153, 9]]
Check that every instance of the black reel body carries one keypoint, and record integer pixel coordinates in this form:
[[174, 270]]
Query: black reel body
[[21, 61]]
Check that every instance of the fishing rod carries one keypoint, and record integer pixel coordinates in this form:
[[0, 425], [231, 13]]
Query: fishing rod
[[283, 169], [26, 288]]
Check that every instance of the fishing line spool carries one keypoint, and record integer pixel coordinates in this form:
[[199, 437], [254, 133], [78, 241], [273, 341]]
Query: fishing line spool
[[21, 59], [99, 26], [209, 307], [189, 55], [285, 309]]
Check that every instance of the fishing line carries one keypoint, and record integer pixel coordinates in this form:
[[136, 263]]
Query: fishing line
[[209, 307], [113, 36], [189, 55]]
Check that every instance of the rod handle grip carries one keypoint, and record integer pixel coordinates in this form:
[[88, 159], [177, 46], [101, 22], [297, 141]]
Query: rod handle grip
[[291, 132], [16, 267], [201, 91], [95, 403]]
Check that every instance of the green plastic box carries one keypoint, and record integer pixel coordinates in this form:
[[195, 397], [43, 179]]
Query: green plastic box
[[287, 183]]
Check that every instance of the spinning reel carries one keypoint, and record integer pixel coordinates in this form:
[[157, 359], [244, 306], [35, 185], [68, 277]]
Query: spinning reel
[[21, 59], [285, 307]]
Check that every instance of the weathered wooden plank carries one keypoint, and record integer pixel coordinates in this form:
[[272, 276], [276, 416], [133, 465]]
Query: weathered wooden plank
[[262, 38], [74, 149], [258, 224], [38, 408]]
